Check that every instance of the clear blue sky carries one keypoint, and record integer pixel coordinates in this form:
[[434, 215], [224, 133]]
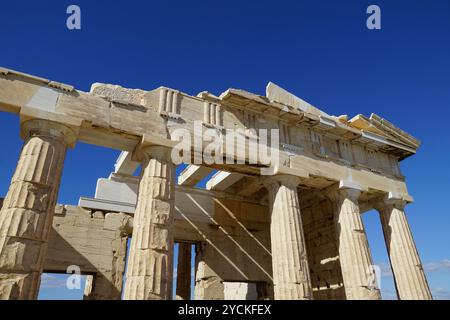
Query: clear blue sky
[[320, 50]]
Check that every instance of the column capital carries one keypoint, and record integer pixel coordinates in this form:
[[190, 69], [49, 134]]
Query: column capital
[[161, 153], [345, 193], [158, 152], [154, 146], [46, 128], [285, 180], [352, 194], [344, 190], [390, 201]]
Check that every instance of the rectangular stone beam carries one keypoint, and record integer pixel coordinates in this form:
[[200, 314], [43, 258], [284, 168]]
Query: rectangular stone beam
[[116, 195], [222, 180], [125, 165], [193, 174], [120, 188]]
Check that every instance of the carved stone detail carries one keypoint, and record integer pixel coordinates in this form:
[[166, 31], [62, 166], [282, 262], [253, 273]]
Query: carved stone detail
[[169, 103], [212, 115]]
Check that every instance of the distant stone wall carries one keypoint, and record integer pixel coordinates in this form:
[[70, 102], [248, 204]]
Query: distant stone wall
[[323, 254], [94, 241], [235, 248], [232, 237]]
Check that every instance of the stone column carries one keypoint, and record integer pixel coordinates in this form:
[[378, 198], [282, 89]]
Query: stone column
[[408, 272], [184, 272], [27, 213], [291, 278], [150, 262], [208, 284], [354, 254]]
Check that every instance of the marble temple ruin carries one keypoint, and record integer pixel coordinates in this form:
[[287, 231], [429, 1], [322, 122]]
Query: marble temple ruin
[[295, 234]]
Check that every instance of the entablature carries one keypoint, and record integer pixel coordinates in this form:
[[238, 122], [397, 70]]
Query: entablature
[[120, 118]]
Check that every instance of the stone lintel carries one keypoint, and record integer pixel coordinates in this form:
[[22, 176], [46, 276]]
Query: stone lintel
[[223, 180], [125, 165], [193, 174]]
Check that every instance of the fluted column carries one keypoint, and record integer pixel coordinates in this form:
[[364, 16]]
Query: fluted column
[[149, 273], [354, 253], [408, 272], [184, 272], [291, 278], [27, 214]]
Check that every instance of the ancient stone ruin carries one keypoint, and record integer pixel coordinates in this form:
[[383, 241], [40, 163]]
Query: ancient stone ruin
[[296, 233]]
